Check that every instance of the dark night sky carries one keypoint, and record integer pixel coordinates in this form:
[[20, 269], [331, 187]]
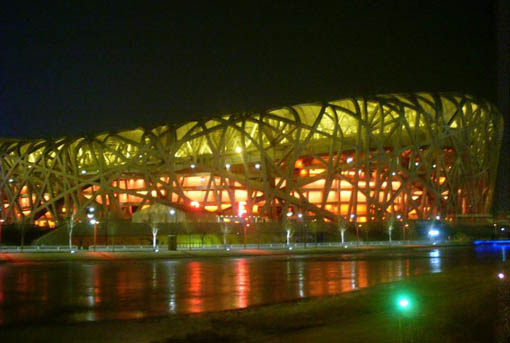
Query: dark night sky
[[68, 69], [72, 70]]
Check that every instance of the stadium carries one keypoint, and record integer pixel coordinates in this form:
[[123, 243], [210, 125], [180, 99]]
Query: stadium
[[360, 160]]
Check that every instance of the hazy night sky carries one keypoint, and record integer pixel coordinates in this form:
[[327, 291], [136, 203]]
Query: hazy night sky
[[81, 69]]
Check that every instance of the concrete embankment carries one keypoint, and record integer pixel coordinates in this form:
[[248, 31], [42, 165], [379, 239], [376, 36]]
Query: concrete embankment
[[86, 255]]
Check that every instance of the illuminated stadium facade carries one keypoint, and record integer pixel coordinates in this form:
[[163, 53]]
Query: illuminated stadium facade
[[417, 156]]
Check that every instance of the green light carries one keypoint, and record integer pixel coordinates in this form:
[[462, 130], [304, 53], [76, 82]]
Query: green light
[[403, 303]]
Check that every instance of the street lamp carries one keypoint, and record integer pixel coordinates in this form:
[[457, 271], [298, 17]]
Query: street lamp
[[352, 216], [71, 225], [93, 221], [403, 303], [300, 217], [1, 224], [404, 306]]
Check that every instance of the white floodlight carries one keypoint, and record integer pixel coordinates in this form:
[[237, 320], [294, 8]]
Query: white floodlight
[[433, 233]]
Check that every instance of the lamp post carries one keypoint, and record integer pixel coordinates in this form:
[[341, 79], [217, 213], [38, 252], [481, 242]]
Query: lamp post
[[404, 307], [352, 216], [71, 225], [244, 234], [300, 217], [172, 213], [1, 225], [154, 238], [288, 230], [404, 227], [92, 221]]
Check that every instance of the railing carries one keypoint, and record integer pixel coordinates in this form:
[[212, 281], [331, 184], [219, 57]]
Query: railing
[[185, 247], [37, 248]]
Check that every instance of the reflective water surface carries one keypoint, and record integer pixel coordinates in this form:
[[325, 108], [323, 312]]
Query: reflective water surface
[[89, 291]]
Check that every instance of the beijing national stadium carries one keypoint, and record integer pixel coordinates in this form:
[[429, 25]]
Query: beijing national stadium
[[361, 159]]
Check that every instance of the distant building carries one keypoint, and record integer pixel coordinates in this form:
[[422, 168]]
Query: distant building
[[416, 156]]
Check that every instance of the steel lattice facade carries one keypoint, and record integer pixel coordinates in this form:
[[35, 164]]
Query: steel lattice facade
[[418, 155]]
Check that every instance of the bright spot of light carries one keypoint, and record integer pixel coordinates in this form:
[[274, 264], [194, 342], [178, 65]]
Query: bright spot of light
[[238, 149], [403, 303], [501, 276], [434, 253], [433, 232], [257, 165], [349, 159], [192, 166]]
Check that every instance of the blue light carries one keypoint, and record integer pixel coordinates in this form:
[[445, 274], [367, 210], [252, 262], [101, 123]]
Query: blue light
[[491, 242]]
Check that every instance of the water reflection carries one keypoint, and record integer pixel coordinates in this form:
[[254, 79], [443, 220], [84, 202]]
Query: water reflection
[[488, 251], [435, 261], [71, 291]]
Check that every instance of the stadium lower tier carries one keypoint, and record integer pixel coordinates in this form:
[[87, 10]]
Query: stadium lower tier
[[357, 192]]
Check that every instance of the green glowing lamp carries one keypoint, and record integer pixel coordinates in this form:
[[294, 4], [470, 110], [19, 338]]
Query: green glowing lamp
[[403, 303]]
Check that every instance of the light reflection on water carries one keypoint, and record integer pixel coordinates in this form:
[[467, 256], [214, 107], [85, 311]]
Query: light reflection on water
[[435, 261], [89, 291]]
